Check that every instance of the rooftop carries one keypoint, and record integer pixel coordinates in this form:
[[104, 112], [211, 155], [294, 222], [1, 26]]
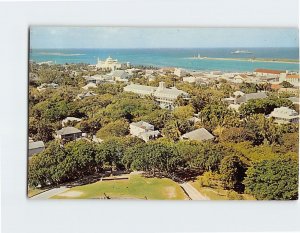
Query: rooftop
[[68, 130], [199, 135], [35, 145], [143, 124], [267, 71], [284, 112]]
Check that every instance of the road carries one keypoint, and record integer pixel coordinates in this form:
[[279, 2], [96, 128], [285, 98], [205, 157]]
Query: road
[[193, 193], [50, 193]]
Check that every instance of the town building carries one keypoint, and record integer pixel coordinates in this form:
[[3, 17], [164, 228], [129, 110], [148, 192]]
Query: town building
[[285, 115], [89, 85], [69, 133], [119, 75], [198, 135], [45, 86], [292, 79], [85, 94], [180, 72], [268, 72], [167, 96], [35, 147], [109, 64], [163, 95], [143, 130], [247, 97]]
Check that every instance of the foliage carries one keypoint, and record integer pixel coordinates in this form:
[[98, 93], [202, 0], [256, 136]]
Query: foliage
[[275, 179], [117, 128], [263, 106], [232, 170]]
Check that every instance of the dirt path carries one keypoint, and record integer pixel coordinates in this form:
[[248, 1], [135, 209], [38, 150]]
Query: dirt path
[[193, 193], [50, 193]]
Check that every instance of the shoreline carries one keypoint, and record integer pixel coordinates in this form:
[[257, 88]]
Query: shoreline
[[244, 59]]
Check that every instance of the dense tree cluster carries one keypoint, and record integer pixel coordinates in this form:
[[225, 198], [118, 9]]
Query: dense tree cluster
[[250, 153]]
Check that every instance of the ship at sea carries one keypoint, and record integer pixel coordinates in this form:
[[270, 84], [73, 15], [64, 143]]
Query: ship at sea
[[199, 57], [241, 52]]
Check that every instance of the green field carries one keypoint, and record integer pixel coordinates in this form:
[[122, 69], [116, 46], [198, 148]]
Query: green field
[[136, 187], [220, 194]]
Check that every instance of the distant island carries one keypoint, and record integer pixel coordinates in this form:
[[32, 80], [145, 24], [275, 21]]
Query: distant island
[[277, 60]]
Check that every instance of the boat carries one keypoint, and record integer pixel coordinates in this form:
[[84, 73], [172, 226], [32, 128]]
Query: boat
[[199, 57], [241, 52]]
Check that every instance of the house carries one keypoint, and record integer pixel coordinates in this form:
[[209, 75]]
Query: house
[[285, 115], [268, 72], [35, 147], [189, 79], [293, 79], [85, 94], [163, 95], [167, 96], [143, 130], [234, 107], [198, 135], [238, 94], [247, 97], [109, 64], [69, 120], [69, 133], [180, 72], [89, 85], [119, 75], [45, 86], [97, 79]]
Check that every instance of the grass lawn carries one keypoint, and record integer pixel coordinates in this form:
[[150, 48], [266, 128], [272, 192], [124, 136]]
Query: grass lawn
[[32, 192], [220, 194], [136, 187]]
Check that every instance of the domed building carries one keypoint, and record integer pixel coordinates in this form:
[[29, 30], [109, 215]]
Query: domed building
[[109, 63]]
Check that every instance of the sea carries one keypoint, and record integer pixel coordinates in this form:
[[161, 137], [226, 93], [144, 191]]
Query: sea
[[175, 57]]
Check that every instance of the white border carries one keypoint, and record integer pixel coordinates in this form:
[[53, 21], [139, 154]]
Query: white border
[[22, 215]]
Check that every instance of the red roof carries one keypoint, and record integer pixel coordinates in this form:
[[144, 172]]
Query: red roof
[[293, 76], [275, 86], [269, 71]]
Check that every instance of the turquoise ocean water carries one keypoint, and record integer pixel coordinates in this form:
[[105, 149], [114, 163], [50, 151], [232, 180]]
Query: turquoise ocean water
[[178, 57]]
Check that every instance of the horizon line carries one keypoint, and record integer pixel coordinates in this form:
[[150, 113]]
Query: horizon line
[[168, 47]]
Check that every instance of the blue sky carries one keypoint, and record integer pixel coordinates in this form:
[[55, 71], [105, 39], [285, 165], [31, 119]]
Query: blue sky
[[122, 37]]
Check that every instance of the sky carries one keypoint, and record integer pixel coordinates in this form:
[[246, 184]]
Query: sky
[[134, 37]]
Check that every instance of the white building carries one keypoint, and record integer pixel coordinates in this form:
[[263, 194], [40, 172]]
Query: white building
[[89, 85], [291, 78], [143, 130], [285, 115], [119, 75], [180, 72], [165, 96], [269, 73], [109, 64], [45, 86]]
